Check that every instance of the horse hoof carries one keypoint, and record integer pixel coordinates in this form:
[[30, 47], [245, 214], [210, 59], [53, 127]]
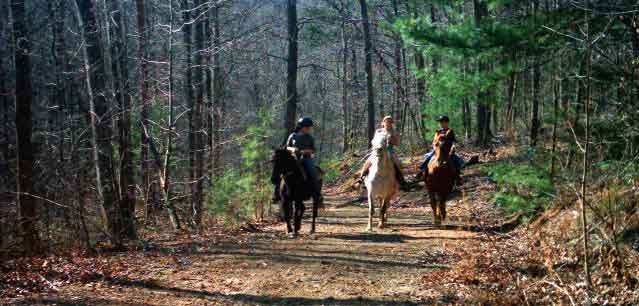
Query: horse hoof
[[292, 235], [369, 229]]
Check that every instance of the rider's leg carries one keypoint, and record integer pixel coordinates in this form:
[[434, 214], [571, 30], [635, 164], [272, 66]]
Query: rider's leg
[[426, 159], [424, 165], [458, 161], [365, 167], [398, 169], [309, 164], [459, 164]]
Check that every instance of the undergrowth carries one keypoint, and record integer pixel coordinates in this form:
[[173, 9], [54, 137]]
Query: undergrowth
[[523, 186], [244, 193]]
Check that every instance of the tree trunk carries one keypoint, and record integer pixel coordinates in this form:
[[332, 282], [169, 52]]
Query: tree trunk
[[555, 111], [534, 124], [345, 142], [144, 100], [190, 101], [483, 113], [199, 105], [584, 177], [421, 82], [61, 65], [101, 118], [218, 103], [397, 77], [380, 80], [121, 85], [508, 119], [354, 114], [368, 49], [24, 97], [164, 170], [433, 21], [291, 76]]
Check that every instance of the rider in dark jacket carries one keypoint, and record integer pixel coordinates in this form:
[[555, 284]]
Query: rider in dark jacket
[[303, 144]]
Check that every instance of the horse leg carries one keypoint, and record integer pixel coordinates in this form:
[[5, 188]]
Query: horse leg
[[287, 207], [315, 208], [438, 212], [371, 211], [433, 206], [299, 213], [382, 213], [442, 208]]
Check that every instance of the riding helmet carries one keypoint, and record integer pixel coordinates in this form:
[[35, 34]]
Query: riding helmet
[[305, 121], [443, 118]]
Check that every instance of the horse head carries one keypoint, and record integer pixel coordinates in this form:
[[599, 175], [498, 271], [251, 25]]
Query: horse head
[[282, 161], [379, 144], [442, 147]]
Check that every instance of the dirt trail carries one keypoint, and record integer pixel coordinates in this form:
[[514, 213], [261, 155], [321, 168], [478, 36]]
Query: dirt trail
[[340, 265]]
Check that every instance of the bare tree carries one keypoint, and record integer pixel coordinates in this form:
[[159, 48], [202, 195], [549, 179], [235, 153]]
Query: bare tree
[[368, 49], [292, 63], [101, 117], [218, 103], [24, 98], [586, 149], [483, 111], [143, 40], [120, 72]]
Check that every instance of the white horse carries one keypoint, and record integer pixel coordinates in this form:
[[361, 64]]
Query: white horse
[[381, 182]]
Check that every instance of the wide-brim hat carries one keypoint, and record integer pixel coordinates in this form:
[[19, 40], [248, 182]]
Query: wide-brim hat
[[388, 118]]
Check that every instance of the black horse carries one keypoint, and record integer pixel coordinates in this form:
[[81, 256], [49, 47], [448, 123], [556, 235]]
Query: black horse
[[294, 188]]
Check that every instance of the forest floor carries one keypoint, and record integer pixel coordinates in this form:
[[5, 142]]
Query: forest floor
[[409, 263]]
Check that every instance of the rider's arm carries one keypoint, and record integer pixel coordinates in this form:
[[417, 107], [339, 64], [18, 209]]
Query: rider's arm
[[290, 143], [395, 139], [310, 150], [451, 136]]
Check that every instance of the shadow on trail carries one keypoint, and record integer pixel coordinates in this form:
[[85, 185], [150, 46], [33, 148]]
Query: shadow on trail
[[259, 299], [375, 237], [392, 238]]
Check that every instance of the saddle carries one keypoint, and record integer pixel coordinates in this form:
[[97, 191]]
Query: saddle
[[298, 159]]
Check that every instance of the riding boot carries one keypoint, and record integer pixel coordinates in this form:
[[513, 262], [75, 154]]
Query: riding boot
[[403, 185], [360, 179]]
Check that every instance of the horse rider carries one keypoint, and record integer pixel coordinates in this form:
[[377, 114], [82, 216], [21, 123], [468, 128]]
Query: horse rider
[[392, 142], [302, 143], [458, 162]]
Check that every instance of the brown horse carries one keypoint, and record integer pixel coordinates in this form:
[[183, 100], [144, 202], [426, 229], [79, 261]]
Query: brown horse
[[440, 177]]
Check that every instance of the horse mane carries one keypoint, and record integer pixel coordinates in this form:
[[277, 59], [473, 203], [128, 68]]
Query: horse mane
[[379, 141], [439, 148], [284, 161]]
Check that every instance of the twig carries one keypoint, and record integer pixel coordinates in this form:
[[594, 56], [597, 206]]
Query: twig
[[572, 301]]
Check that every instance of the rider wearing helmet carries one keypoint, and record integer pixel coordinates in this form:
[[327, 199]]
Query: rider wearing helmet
[[302, 142]]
